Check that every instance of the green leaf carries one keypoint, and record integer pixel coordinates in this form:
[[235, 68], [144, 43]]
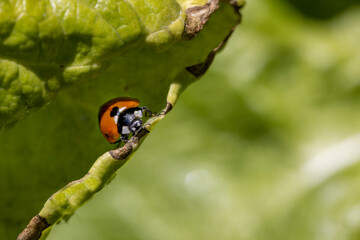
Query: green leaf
[[230, 161], [104, 49], [52, 44]]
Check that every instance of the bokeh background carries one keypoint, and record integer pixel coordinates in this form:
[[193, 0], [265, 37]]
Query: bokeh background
[[265, 146]]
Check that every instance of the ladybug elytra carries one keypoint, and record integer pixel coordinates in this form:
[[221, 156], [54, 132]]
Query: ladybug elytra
[[120, 117]]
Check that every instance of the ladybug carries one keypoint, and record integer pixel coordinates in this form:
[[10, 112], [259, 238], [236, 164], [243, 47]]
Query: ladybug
[[120, 117]]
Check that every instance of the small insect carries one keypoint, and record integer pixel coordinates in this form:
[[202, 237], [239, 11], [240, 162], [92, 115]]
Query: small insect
[[120, 117]]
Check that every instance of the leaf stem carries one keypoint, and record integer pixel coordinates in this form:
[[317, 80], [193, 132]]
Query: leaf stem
[[62, 204]]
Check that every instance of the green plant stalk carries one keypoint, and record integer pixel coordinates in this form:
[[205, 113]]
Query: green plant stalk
[[62, 204]]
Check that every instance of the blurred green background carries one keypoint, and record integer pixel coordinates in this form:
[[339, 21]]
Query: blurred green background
[[265, 146]]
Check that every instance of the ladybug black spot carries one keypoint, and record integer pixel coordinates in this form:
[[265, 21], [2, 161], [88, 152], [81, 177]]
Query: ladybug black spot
[[114, 111], [106, 135]]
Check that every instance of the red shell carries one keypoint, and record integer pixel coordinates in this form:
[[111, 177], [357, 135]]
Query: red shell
[[107, 125]]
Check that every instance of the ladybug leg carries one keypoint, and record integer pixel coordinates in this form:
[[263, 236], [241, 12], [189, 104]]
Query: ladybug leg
[[147, 111], [124, 138], [160, 113], [168, 108], [118, 142], [143, 127]]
